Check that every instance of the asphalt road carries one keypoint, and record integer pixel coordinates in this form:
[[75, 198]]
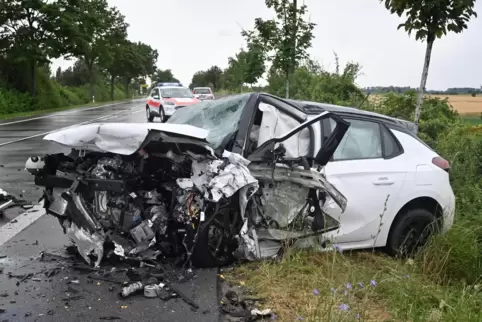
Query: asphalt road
[[22, 239]]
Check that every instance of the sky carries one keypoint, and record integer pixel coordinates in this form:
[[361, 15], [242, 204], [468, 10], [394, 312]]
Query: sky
[[192, 35]]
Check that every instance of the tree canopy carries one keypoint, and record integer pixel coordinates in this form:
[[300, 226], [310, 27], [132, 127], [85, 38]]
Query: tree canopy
[[91, 32]]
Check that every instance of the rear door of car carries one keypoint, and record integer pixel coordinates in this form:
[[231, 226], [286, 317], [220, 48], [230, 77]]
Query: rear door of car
[[366, 168]]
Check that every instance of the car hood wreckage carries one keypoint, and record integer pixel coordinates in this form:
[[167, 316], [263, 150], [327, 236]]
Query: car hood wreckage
[[141, 191]]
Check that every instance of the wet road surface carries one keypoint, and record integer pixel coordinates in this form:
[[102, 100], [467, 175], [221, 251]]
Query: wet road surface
[[21, 241]]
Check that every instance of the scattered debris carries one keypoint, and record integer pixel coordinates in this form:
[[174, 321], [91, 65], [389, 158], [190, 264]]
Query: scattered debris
[[131, 289], [237, 306], [73, 298]]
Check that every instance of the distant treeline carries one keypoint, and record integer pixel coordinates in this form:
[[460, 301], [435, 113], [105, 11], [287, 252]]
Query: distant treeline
[[448, 91]]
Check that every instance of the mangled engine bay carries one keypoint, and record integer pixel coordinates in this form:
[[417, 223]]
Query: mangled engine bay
[[184, 202]]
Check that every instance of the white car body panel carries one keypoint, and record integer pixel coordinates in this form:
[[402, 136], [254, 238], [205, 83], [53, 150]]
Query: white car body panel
[[117, 137], [367, 183]]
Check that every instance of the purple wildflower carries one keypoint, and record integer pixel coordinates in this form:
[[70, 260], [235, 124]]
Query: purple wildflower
[[338, 248], [361, 285], [333, 291], [300, 318], [273, 316], [373, 283], [348, 285], [316, 292], [407, 276], [358, 316], [344, 307]]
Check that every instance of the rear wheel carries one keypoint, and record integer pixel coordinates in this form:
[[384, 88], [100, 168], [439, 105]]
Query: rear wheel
[[149, 116], [410, 232]]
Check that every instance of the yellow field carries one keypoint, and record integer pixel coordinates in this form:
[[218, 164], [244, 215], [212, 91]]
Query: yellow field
[[464, 104]]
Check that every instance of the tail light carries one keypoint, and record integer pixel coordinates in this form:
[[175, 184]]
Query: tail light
[[441, 163]]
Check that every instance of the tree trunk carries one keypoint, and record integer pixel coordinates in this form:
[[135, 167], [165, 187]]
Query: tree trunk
[[287, 86], [128, 80], [112, 79], [90, 67], [423, 82], [34, 78]]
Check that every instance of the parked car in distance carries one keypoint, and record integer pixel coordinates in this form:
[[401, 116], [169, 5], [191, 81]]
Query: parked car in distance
[[166, 98], [203, 93]]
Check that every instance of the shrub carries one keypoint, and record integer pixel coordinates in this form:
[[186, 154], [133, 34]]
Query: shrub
[[11, 102]]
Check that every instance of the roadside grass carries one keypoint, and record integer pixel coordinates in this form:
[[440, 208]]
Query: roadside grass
[[472, 119], [18, 115], [360, 286]]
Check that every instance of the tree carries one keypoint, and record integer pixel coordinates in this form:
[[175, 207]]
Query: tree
[[91, 27], [199, 79], [128, 60], [77, 75], [29, 35], [164, 76], [285, 39], [58, 74], [211, 77], [431, 20]]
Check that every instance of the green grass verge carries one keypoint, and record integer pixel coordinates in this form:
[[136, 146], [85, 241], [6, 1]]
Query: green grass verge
[[18, 115], [357, 286], [472, 120]]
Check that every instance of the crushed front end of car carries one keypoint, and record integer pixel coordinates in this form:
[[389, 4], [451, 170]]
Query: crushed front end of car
[[141, 191]]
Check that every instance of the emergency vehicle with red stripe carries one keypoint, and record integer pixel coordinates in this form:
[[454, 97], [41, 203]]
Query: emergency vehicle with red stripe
[[166, 98]]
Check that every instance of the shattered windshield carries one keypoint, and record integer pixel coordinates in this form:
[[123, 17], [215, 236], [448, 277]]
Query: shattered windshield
[[220, 117]]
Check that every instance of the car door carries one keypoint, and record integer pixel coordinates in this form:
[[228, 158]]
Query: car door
[[154, 99], [365, 168]]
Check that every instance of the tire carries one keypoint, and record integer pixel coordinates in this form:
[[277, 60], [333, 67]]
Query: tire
[[204, 254], [162, 114], [149, 116], [410, 232]]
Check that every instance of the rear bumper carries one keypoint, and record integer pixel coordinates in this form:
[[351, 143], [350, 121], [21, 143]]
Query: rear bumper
[[448, 213]]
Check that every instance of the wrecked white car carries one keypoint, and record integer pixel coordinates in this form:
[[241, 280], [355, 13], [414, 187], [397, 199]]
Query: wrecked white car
[[239, 177]]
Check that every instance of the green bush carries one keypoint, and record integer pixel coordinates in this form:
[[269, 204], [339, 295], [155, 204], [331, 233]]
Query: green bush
[[52, 95], [11, 102], [436, 117]]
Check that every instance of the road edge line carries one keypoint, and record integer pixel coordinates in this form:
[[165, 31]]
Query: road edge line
[[20, 223]]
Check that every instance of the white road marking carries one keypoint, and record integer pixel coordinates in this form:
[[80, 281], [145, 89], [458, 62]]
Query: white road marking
[[66, 113], [63, 128], [19, 223]]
